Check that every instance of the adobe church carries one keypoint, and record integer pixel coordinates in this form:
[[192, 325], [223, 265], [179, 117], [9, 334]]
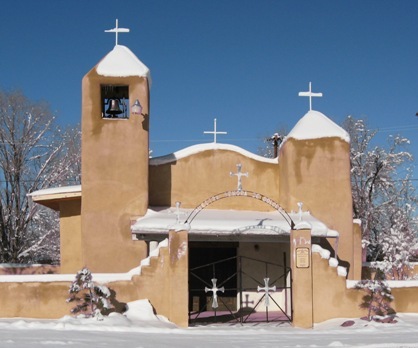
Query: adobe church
[[209, 233]]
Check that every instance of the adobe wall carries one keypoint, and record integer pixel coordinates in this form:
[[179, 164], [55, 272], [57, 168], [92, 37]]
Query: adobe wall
[[34, 300], [332, 299], [317, 173], [302, 276], [164, 282], [71, 259], [357, 251], [197, 177], [115, 176]]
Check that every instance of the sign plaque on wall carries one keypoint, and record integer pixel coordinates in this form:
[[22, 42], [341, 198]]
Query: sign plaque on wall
[[302, 257]]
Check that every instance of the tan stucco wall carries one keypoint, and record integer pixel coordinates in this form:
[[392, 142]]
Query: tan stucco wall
[[317, 173], [193, 179], [302, 290], [332, 299], [70, 236], [34, 300], [357, 251], [114, 176], [164, 283]]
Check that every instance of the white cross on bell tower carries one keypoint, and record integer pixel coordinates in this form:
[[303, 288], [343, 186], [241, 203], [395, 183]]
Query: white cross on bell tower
[[117, 30], [310, 94]]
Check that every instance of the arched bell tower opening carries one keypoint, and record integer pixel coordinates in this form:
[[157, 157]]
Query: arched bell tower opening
[[115, 101]]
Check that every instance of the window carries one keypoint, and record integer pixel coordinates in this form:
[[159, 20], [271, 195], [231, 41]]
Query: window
[[115, 101]]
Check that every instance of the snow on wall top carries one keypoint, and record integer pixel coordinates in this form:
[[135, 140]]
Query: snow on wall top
[[56, 190], [192, 150], [121, 62], [333, 262], [315, 125]]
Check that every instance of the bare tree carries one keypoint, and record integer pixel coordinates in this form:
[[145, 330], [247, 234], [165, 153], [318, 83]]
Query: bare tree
[[34, 154], [383, 195]]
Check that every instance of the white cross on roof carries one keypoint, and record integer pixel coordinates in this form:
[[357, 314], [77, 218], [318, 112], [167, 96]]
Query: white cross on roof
[[117, 30], [310, 94], [214, 132]]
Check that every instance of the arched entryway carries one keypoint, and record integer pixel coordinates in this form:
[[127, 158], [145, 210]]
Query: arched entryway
[[240, 276]]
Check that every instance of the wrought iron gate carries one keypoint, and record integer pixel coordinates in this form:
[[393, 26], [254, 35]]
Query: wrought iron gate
[[240, 289]]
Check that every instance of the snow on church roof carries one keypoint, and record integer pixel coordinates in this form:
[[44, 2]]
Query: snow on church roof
[[121, 62], [315, 125], [194, 149], [233, 223]]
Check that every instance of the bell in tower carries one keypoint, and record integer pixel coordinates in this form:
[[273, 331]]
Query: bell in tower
[[115, 101]]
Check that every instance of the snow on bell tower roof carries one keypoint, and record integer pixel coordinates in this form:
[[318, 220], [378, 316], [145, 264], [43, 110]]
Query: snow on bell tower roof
[[315, 125], [121, 62]]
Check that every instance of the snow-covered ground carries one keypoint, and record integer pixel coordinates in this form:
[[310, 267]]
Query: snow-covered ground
[[141, 328]]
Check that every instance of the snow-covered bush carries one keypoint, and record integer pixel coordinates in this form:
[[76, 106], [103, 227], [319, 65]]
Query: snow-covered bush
[[377, 299], [91, 299]]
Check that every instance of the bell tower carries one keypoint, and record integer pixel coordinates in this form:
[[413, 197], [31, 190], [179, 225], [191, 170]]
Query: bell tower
[[115, 149]]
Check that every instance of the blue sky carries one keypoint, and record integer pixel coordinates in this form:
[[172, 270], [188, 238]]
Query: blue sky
[[240, 61]]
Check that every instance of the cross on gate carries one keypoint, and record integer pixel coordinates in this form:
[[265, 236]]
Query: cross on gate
[[266, 290], [214, 132], [214, 290], [310, 94], [117, 30], [239, 174]]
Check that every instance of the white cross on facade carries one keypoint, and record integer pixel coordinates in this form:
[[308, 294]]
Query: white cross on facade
[[214, 292], [239, 174], [214, 132], [266, 290], [117, 30], [310, 94]]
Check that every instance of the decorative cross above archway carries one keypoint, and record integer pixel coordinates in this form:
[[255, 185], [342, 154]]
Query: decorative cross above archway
[[214, 290], [117, 30], [266, 290], [239, 174], [310, 94], [214, 132]]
